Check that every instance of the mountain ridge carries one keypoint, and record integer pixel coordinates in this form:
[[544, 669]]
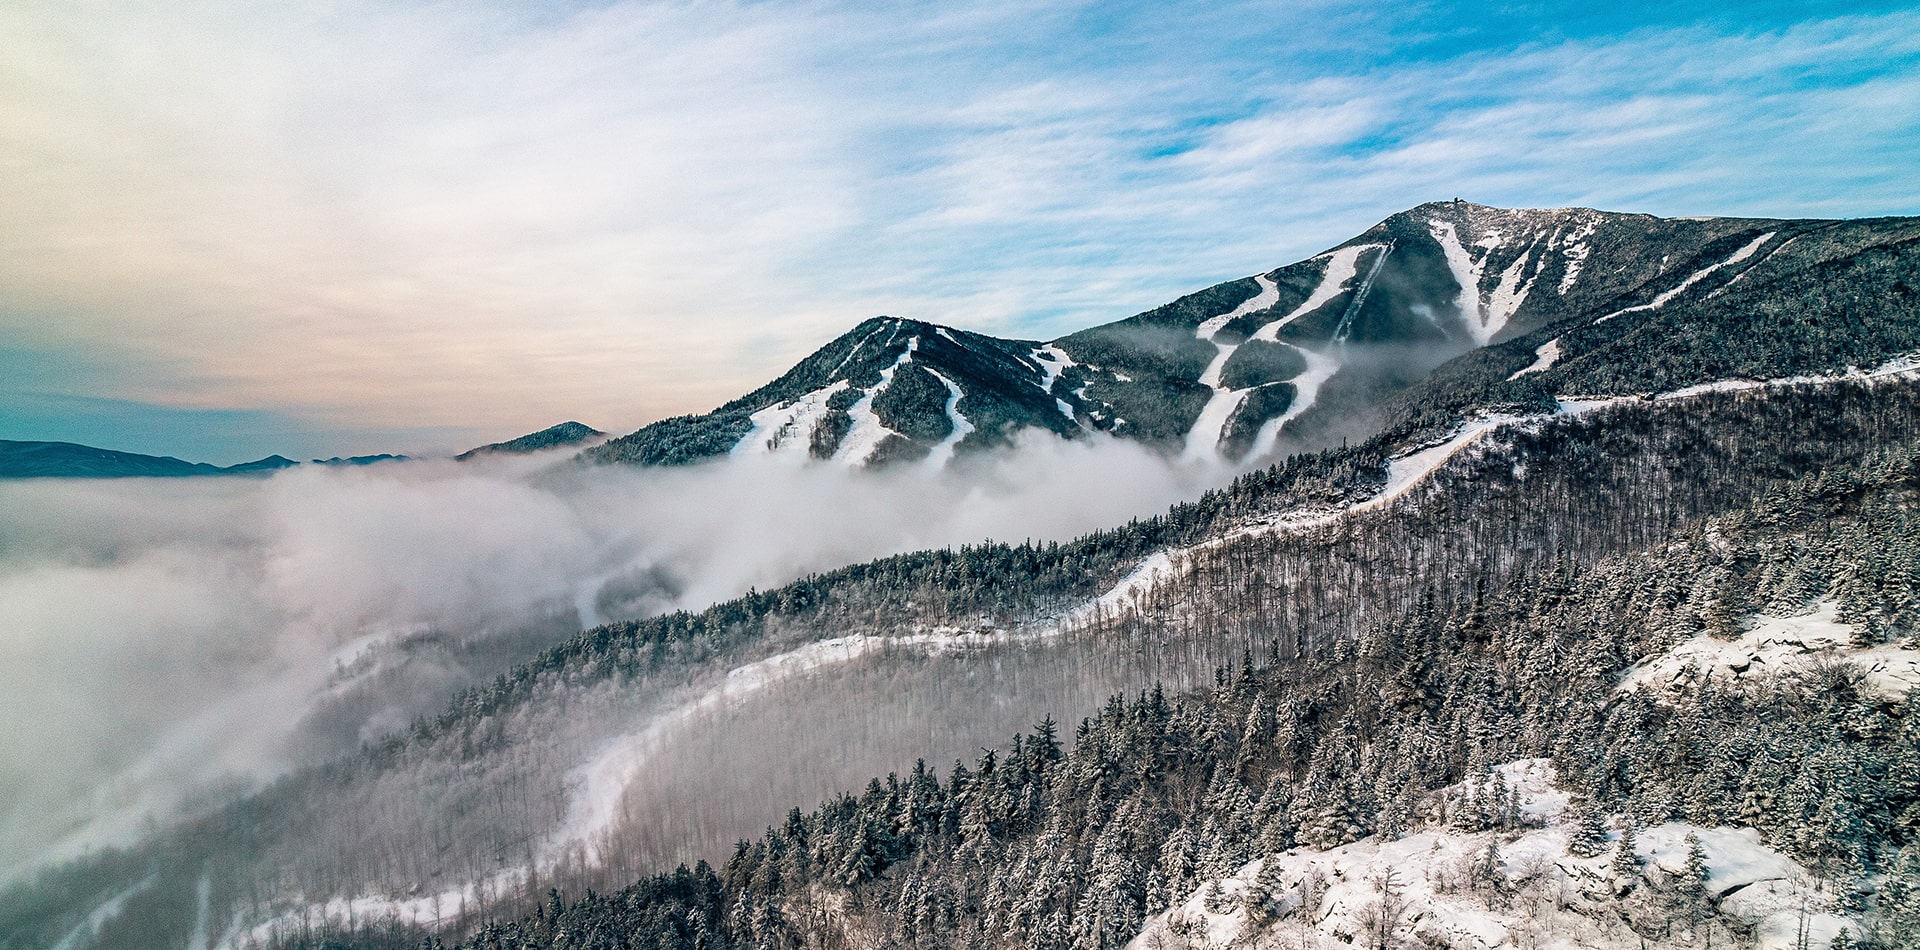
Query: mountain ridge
[[1298, 357]]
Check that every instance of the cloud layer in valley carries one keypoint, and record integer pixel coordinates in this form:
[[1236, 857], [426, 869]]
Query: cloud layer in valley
[[171, 639]]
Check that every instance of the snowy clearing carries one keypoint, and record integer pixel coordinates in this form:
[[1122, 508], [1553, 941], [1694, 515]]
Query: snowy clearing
[[1544, 356]]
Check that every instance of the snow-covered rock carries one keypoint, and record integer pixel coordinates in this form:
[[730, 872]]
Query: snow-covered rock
[[1773, 647], [1449, 888]]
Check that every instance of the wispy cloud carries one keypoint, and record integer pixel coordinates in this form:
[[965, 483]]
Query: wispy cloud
[[396, 216]]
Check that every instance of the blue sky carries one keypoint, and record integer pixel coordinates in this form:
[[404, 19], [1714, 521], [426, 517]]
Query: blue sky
[[237, 228]]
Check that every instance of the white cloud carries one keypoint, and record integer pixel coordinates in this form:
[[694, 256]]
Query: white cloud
[[460, 213], [166, 636]]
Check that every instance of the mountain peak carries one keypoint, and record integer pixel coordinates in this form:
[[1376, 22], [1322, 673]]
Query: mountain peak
[[555, 436], [1300, 357]]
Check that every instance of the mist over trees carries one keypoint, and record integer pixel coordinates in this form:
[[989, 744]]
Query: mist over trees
[[1052, 842]]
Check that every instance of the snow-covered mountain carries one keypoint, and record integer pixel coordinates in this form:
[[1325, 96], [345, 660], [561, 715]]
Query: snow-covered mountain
[[1297, 357], [1644, 542]]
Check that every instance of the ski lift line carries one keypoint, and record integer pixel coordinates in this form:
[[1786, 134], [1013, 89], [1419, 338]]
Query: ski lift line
[[1345, 328]]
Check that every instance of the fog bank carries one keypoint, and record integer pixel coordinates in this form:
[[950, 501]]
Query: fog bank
[[169, 641]]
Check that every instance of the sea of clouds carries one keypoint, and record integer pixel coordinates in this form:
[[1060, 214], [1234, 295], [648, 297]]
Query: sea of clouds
[[168, 642]]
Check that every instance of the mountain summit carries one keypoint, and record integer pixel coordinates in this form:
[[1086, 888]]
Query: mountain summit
[[1298, 357]]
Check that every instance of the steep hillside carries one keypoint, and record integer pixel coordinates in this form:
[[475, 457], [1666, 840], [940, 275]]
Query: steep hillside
[[1489, 768], [1315, 352]]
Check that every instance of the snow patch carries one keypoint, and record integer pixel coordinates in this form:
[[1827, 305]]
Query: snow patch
[[866, 434], [1575, 251], [1775, 646], [1053, 361], [1544, 356], [1511, 292]]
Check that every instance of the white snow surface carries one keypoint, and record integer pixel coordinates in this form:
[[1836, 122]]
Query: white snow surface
[[1773, 647], [1266, 296], [1559, 900], [1203, 439], [943, 452], [1694, 278], [1321, 366], [1053, 361], [1481, 322], [1574, 250], [1510, 292], [1544, 356], [867, 431], [1342, 265], [785, 430]]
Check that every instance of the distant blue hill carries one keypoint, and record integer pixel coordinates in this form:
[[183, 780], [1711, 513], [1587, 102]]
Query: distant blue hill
[[68, 460]]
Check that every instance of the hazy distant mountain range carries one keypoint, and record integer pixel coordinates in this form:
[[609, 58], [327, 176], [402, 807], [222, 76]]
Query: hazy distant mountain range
[[68, 460]]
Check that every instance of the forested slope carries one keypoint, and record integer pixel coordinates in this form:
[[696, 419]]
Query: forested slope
[[1054, 843]]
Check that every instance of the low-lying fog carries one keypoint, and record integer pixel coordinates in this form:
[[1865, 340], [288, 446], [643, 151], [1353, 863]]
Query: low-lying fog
[[164, 642]]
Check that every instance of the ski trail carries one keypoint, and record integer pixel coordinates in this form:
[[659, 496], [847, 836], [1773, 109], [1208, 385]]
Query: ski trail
[[1345, 328], [1717, 291], [856, 349], [1544, 356], [785, 430], [1481, 323], [1342, 265], [1203, 439], [1053, 362], [1574, 251], [1694, 278], [942, 452], [1512, 290], [1306, 389], [867, 431], [84, 933], [1265, 297]]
